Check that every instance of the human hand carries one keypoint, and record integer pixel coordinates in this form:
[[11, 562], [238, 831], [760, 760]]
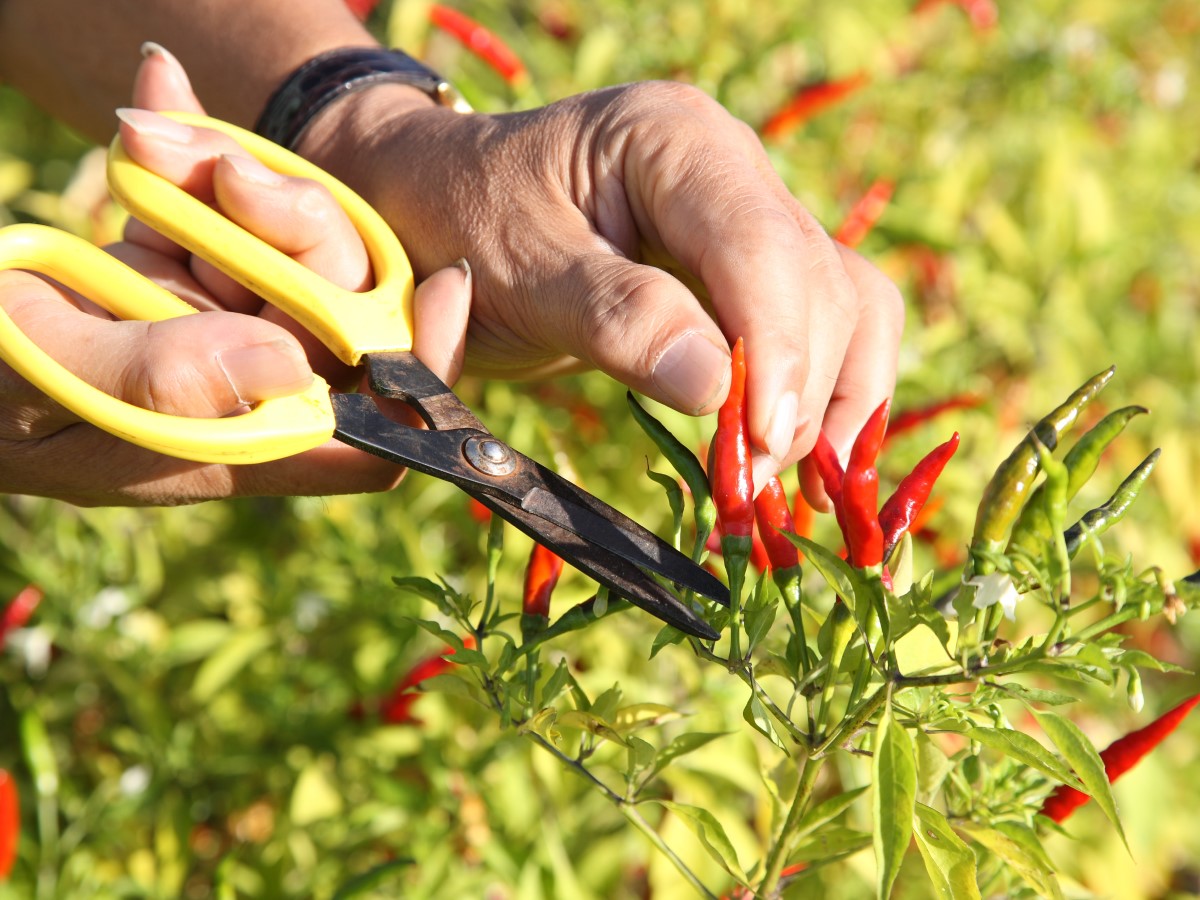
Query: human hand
[[559, 208], [238, 352]]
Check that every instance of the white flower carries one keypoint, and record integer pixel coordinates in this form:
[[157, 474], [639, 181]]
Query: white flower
[[994, 588]]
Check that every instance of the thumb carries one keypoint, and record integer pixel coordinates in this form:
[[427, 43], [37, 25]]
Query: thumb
[[205, 365], [645, 328]]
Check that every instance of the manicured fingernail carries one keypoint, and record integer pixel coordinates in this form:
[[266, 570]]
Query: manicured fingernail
[[174, 66], [152, 124], [461, 263], [250, 169], [764, 467], [262, 371], [691, 372], [782, 430]]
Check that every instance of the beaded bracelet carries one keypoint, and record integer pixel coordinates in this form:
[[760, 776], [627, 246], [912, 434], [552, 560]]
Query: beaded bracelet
[[325, 78]]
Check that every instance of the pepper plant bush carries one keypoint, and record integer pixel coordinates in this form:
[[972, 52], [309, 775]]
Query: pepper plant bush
[[205, 701]]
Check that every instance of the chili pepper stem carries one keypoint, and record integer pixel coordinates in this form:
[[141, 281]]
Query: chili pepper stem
[[809, 771], [495, 548], [736, 550]]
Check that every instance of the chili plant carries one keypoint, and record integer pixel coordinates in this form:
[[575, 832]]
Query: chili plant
[[889, 695]]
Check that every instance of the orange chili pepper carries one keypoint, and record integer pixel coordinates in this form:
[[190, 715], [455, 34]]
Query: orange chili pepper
[[810, 101], [480, 41], [865, 213]]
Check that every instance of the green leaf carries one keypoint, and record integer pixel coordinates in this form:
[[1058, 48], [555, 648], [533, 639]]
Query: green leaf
[[837, 574], [675, 499], [1018, 846], [948, 860], [1144, 660], [585, 721], [1036, 695], [932, 767], [1083, 758], [705, 826], [555, 683], [826, 811], [685, 743], [759, 613], [894, 773], [759, 719], [666, 636], [831, 843], [641, 754], [233, 656], [190, 641], [1027, 750], [642, 715]]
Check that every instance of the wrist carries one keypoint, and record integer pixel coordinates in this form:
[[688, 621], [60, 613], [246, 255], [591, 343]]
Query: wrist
[[327, 79]]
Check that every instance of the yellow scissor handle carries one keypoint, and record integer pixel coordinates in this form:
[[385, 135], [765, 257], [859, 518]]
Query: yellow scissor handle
[[272, 430], [350, 324]]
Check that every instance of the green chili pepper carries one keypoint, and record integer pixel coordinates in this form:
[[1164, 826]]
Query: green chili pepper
[[1081, 461], [1100, 519], [1006, 492], [686, 464]]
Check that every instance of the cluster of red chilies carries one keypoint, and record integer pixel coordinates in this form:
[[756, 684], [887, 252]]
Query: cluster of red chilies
[[872, 532]]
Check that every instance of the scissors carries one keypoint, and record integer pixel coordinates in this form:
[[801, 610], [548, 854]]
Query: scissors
[[373, 329]]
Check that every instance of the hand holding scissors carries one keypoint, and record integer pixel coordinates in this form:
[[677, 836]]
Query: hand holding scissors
[[373, 329]]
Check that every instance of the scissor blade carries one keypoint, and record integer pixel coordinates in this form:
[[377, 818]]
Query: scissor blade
[[570, 507], [616, 574], [529, 485]]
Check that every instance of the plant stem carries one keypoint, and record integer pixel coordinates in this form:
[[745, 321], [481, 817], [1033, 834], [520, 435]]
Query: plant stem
[[772, 707], [628, 810], [638, 822], [783, 846]]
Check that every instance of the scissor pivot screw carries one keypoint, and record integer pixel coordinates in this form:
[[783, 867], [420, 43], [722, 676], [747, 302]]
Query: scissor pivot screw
[[489, 456]]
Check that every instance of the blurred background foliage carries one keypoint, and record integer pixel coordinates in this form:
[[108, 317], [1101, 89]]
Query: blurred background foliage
[[195, 669]]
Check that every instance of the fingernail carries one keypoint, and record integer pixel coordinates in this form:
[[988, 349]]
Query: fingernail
[[151, 48], [250, 169], [152, 124], [262, 371], [782, 430], [764, 467], [461, 263], [691, 372]]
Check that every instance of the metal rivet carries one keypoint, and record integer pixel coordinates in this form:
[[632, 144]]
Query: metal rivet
[[489, 456]]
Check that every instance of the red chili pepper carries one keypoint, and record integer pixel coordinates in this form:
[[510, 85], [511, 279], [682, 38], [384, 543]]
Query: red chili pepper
[[902, 508], [860, 492], [10, 823], [741, 893], [865, 213], [982, 14], [910, 418], [362, 8], [732, 477], [772, 517], [396, 709], [1120, 756], [480, 41], [809, 101], [19, 609], [541, 576], [478, 511]]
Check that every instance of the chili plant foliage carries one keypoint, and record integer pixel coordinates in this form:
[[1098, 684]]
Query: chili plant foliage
[[899, 706]]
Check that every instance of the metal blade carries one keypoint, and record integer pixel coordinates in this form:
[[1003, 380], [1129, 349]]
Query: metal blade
[[623, 579], [524, 483]]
